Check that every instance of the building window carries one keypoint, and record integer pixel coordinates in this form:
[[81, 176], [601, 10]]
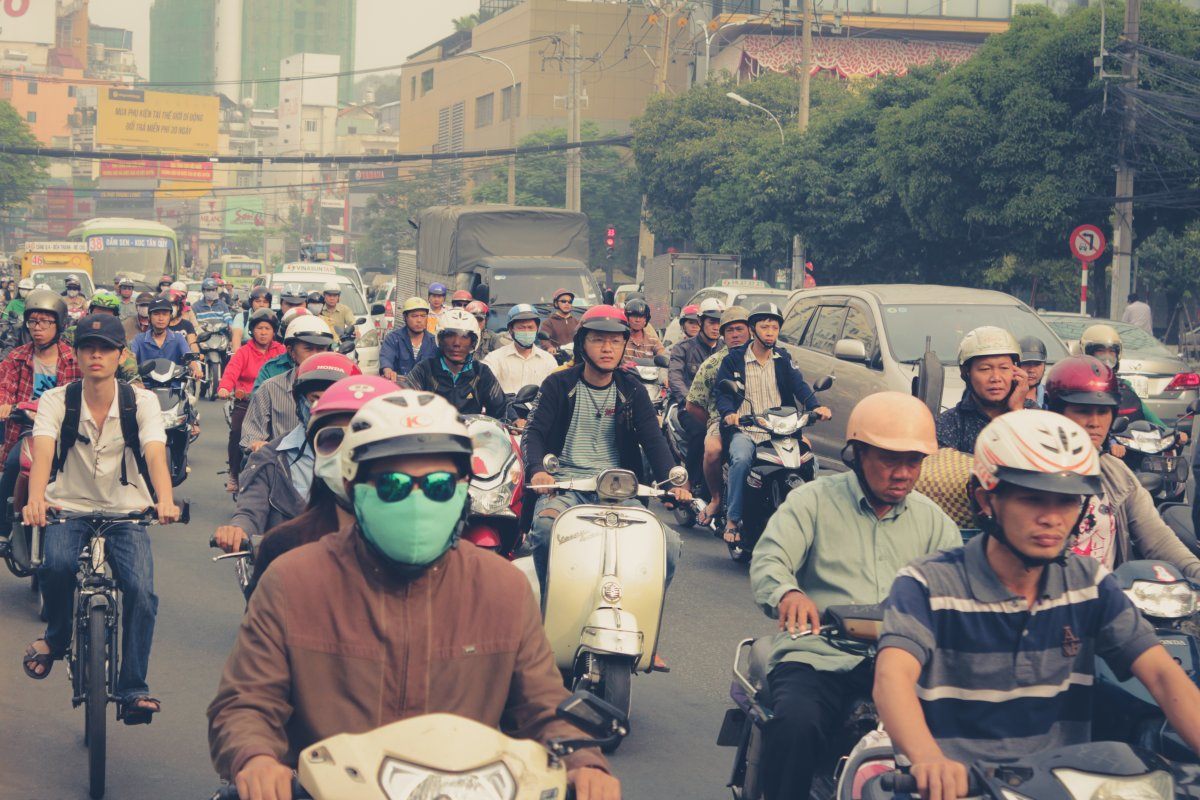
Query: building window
[[6, 85], [508, 108], [33, 87], [352, 130], [70, 91], [310, 126], [427, 81], [412, 95], [31, 116], [484, 110]]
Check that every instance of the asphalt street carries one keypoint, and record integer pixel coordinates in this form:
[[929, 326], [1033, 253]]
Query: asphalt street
[[671, 751]]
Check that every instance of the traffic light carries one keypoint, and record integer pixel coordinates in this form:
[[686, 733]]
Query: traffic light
[[610, 239]]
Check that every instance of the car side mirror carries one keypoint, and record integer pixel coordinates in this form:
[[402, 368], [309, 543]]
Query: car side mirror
[[482, 293], [662, 361], [550, 463], [850, 350], [526, 394], [1120, 424], [823, 384], [378, 309]]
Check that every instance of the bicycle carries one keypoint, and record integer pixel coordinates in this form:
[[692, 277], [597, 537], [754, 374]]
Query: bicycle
[[92, 658]]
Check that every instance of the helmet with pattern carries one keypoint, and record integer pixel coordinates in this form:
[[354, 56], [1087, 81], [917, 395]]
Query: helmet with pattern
[[477, 309], [309, 329], [457, 320], [711, 308], [521, 311], [320, 372], [106, 301]]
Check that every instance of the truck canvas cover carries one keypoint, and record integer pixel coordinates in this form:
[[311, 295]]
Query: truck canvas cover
[[453, 239]]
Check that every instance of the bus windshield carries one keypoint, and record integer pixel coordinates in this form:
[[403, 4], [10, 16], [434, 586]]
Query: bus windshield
[[241, 269], [149, 255]]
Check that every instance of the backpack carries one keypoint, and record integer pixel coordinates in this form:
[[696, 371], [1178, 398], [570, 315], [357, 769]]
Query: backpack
[[127, 410]]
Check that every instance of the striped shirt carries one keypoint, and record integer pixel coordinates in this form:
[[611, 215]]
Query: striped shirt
[[998, 679], [591, 443], [761, 389], [272, 410]]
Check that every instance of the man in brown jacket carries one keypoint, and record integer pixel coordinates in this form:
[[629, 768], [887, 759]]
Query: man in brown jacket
[[389, 618], [562, 324]]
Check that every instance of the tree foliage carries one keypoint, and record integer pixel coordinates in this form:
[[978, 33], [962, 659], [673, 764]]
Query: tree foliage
[[20, 176], [386, 230]]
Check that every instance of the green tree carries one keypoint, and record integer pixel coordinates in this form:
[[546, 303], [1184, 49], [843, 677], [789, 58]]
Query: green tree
[[386, 230], [20, 176], [1167, 263], [608, 194]]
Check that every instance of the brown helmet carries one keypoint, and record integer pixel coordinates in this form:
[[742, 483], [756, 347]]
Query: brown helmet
[[893, 421]]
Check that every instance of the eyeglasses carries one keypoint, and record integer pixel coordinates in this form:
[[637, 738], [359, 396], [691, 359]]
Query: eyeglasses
[[37, 322], [328, 440], [392, 487]]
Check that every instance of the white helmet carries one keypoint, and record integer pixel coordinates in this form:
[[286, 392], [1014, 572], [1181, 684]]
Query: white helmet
[[407, 422], [1038, 450], [988, 341], [332, 286], [309, 329], [712, 308], [26, 283], [290, 315], [458, 320], [43, 286], [179, 286]]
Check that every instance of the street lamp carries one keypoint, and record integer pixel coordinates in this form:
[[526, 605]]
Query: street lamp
[[737, 98], [512, 124]]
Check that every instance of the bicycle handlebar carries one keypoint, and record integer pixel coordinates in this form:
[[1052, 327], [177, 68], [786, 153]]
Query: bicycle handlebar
[[147, 516]]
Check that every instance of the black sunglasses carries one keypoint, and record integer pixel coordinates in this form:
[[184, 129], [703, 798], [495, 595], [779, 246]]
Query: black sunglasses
[[392, 487]]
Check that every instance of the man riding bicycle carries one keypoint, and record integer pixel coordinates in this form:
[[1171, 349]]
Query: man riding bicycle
[[99, 471]]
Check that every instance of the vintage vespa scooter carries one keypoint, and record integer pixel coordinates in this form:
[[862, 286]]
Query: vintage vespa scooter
[[605, 584]]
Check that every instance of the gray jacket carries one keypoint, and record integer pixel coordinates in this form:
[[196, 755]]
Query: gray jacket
[[1138, 521], [266, 495], [686, 358]]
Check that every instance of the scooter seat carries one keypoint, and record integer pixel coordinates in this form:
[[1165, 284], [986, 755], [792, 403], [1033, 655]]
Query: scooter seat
[[760, 661]]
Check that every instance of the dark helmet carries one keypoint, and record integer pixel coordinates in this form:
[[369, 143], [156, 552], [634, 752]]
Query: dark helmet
[[637, 308], [143, 298], [765, 311], [293, 294], [1033, 349], [1084, 380], [315, 297], [259, 292], [161, 302], [209, 285], [264, 315], [46, 301]]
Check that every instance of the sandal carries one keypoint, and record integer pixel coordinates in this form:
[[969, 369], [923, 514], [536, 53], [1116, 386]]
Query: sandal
[[731, 535], [137, 711], [707, 514], [658, 665], [35, 659]]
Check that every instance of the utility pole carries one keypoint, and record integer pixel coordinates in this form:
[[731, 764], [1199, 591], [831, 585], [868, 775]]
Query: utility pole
[[1123, 210], [575, 155], [806, 59]]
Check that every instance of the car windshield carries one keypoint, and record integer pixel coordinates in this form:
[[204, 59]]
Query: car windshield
[[1133, 338], [350, 295], [946, 325], [509, 288], [749, 301]]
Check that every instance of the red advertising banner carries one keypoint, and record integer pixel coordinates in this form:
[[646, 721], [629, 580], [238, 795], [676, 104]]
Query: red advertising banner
[[201, 171], [128, 169]]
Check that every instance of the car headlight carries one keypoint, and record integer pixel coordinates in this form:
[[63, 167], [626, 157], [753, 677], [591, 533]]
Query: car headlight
[[370, 338], [401, 781], [1156, 785], [616, 484], [1163, 600]]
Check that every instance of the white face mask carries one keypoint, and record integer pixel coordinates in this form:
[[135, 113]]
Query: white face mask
[[315, 308], [328, 468], [72, 292], [210, 295]]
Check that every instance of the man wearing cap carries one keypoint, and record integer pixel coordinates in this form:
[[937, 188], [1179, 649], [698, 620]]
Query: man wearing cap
[[96, 473], [988, 361], [128, 307], [561, 325], [1033, 361], [336, 313], [410, 344], [437, 304]]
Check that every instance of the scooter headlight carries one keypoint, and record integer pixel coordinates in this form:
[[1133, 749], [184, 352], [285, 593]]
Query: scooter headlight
[[1163, 600], [1156, 785], [616, 484], [785, 426], [370, 338], [401, 781]]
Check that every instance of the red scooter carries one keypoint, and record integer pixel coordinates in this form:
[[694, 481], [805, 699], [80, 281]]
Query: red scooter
[[497, 487]]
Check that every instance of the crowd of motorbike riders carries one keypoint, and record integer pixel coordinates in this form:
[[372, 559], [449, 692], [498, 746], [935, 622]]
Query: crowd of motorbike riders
[[352, 490]]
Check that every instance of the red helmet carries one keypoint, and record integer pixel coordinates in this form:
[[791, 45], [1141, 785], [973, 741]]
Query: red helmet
[[214, 275], [478, 309], [560, 292], [461, 295], [1085, 380], [322, 371], [165, 279], [691, 312], [605, 319], [348, 395]]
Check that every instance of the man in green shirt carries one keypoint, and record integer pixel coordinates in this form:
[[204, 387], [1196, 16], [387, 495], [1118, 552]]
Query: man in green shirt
[[16, 307], [836, 541]]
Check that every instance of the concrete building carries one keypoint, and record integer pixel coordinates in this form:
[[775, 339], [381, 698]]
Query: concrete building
[[110, 54], [182, 36]]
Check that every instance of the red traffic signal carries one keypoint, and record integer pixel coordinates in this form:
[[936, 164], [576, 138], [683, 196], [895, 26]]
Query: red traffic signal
[[610, 236]]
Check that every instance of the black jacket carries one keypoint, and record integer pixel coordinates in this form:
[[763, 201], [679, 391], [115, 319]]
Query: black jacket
[[637, 424], [686, 358], [476, 392]]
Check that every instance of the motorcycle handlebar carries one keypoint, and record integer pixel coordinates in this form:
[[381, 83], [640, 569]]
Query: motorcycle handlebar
[[230, 792], [904, 783]]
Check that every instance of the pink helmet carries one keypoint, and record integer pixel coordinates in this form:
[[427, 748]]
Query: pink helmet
[[348, 395]]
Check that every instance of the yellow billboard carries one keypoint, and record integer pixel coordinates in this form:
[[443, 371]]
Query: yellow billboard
[[160, 121]]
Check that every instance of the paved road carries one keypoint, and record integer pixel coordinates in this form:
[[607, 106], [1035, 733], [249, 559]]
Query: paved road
[[670, 753]]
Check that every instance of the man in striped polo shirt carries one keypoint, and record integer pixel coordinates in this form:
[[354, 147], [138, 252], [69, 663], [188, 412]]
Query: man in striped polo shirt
[[988, 650]]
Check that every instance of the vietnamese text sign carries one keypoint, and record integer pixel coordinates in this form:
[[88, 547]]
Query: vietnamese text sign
[[201, 171], [27, 21], [175, 123], [244, 214]]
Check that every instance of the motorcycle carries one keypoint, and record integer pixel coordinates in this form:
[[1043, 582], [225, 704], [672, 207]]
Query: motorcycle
[[606, 583], [781, 463], [445, 756], [497, 487], [686, 514], [1124, 710], [858, 752], [649, 372], [213, 341], [1154, 455], [18, 554], [1092, 771], [166, 380]]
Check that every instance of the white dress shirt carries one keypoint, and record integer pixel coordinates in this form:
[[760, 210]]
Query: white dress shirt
[[515, 371]]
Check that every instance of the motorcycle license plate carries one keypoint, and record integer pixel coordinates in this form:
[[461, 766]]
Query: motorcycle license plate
[[1160, 464]]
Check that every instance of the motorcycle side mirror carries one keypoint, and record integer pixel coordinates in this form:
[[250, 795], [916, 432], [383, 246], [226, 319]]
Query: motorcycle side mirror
[[1183, 425], [526, 394], [678, 476], [542, 336], [550, 463], [593, 716], [1193, 407], [1120, 424], [662, 361], [378, 310], [824, 383]]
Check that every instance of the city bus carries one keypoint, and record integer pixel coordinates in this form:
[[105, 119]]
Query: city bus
[[134, 248], [238, 270]]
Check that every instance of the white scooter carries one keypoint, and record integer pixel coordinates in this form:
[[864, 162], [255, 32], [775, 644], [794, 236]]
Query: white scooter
[[605, 584]]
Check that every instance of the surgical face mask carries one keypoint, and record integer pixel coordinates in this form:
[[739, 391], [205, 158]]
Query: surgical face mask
[[72, 292], [329, 469], [525, 338], [315, 308], [210, 295], [416, 529], [23, 293]]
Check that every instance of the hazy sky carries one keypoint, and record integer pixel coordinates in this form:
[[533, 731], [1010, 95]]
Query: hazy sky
[[388, 30]]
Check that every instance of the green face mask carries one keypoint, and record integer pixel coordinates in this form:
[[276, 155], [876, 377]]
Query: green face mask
[[413, 531]]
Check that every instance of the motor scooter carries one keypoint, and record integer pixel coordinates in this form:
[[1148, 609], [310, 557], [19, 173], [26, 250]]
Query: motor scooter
[[859, 750], [782, 462], [213, 341], [649, 373], [1154, 455], [686, 514], [447, 757], [606, 583], [497, 487], [166, 380], [1124, 709]]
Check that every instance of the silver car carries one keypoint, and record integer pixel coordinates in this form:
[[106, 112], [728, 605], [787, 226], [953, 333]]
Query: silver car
[[1164, 381], [743, 292], [873, 337]]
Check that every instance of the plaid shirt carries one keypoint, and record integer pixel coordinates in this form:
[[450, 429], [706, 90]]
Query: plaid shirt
[[16, 380]]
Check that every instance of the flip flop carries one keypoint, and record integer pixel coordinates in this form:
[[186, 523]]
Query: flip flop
[[133, 713], [731, 536], [33, 659]]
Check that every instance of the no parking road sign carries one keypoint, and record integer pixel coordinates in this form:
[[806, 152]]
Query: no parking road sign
[[1087, 244]]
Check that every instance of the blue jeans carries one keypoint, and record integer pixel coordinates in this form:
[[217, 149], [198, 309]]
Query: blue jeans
[[539, 532], [8, 485], [127, 549], [741, 458]]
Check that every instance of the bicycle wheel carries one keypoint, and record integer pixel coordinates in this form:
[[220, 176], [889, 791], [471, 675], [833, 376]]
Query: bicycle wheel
[[96, 703]]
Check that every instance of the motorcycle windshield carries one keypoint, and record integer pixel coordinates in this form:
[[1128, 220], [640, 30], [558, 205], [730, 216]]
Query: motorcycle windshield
[[493, 447]]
